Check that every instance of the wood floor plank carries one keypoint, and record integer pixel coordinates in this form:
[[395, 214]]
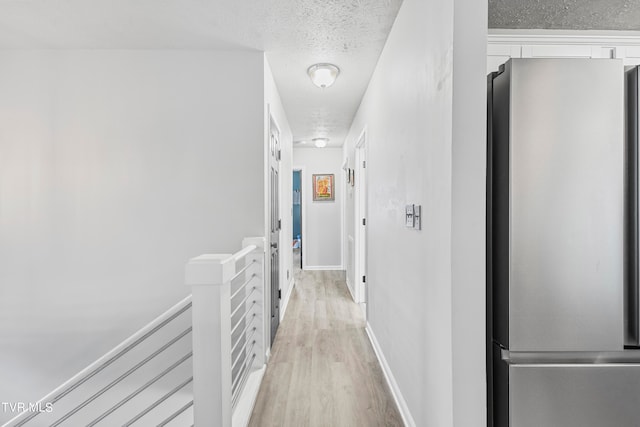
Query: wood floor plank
[[323, 370]]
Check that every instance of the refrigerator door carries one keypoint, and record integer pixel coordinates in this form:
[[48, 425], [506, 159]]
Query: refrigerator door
[[592, 395], [563, 285]]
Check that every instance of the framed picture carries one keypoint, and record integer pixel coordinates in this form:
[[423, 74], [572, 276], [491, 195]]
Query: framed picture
[[323, 187]]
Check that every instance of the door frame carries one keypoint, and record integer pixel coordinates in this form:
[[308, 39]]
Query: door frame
[[271, 121], [360, 211], [303, 211]]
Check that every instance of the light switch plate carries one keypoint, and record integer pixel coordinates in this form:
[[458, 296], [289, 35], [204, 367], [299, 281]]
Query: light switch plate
[[408, 216], [417, 217]]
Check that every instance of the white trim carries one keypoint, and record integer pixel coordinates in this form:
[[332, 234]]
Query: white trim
[[350, 244], [285, 300], [552, 37], [391, 381], [266, 303], [505, 44], [353, 297], [360, 211], [343, 201], [323, 267], [362, 137], [303, 212], [272, 121], [244, 408]]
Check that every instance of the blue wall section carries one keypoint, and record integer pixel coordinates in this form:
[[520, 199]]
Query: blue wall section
[[297, 207]]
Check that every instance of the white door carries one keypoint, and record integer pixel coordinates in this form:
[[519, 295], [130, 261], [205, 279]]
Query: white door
[[274, 224]]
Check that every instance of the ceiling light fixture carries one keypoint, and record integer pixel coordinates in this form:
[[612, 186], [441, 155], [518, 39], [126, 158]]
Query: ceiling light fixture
[[323, 75], [320, 142]]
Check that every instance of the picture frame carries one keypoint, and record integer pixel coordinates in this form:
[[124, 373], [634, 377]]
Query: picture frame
[[323, 187]]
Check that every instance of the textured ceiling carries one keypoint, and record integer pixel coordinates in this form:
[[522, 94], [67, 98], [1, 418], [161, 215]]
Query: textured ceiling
[[350, 34], [294, 33], [565, 14]]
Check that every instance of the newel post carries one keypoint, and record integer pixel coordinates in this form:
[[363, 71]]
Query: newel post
[[209, 276]]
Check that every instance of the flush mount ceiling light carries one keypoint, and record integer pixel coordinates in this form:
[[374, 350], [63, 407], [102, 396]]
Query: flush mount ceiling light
[[323, 75], [320, 142]]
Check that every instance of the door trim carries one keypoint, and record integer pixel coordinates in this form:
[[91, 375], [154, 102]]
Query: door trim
[[360, 211], [272, 123], [303, 212]]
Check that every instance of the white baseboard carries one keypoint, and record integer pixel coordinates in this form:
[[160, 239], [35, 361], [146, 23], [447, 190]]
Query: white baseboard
[[323, 267], [285, 300], [244, 408], [349, 286], [391, 381]]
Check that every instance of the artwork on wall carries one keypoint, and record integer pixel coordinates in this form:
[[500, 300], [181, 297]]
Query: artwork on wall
[[323, 187]]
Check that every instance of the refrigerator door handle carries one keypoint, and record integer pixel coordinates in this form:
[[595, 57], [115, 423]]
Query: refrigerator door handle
[[632, 251]]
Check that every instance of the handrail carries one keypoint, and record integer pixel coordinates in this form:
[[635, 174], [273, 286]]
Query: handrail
[[247, 348], [243, 252], [106, 360]]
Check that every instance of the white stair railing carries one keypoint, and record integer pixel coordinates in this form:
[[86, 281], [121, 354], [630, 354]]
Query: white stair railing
[[228, 333], [201, 362], [146, 380]]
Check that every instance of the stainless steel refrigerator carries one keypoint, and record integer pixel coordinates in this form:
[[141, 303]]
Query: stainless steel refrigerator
[[562, 306]]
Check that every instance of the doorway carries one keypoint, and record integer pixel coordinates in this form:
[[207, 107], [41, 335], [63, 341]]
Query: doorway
[[360, 207], [297, 219]]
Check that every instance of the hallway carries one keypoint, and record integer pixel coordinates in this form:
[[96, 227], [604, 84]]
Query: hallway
[[323, 370]]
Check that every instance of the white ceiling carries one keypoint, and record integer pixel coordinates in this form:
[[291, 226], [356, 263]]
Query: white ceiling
[[294, 33]]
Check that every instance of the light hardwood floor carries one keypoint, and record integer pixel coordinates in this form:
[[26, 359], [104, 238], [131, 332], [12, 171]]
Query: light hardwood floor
[[323, 370]]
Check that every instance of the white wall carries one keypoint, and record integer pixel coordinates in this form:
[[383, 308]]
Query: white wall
[[414, 156], [116, 167], [468, 209], [275, 108], [321, 220]]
